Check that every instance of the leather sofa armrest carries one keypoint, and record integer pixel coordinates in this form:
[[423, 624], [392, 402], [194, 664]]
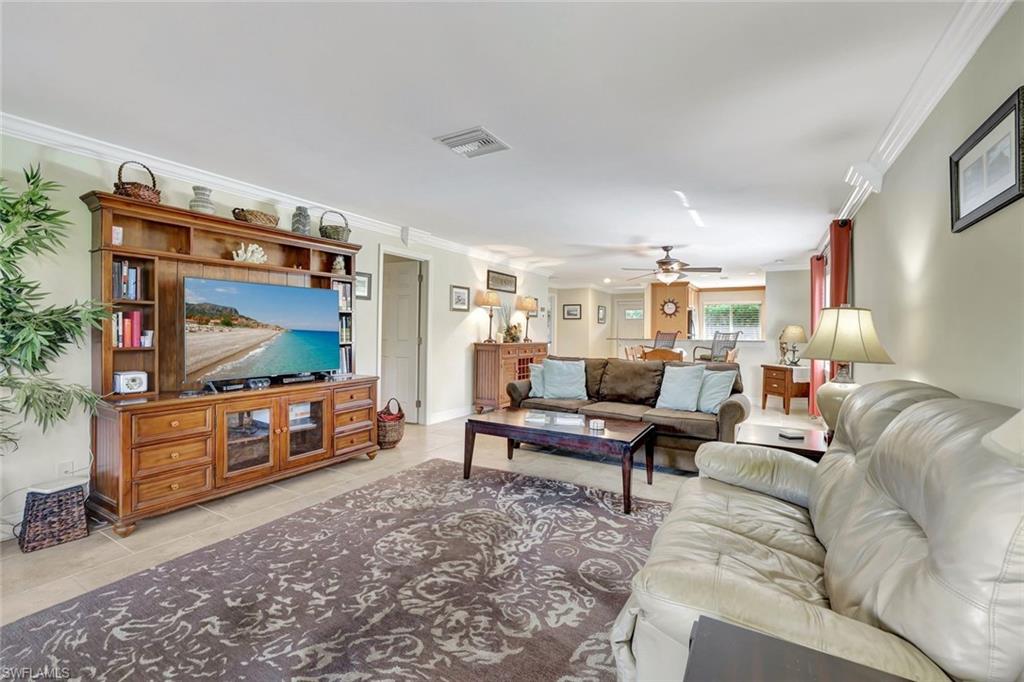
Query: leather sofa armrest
[[731, 413], [765, 470], [518, 391]]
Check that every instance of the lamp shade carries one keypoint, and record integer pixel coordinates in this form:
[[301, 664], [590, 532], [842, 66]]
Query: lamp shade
[[793, 333], [667, 277], [489, 299], [846, 334], [527, 304], [1008, 439]]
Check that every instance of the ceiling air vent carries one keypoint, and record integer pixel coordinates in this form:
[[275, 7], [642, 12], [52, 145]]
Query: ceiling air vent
[[472, 142]]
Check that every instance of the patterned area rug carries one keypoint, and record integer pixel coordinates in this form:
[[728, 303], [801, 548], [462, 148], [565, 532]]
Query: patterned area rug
[[419, 576]]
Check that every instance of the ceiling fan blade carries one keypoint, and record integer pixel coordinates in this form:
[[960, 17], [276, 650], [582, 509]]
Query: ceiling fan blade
[[646, 274], [693, 269], [639, 269]]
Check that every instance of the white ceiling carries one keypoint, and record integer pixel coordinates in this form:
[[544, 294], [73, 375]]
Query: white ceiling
[[755, 111]]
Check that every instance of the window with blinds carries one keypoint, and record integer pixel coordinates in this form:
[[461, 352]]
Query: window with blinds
[[733, 317]]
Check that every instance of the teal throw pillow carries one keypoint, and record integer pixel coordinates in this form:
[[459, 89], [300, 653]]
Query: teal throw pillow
[[565, 380], [714, 389], [680, 388], [536, 380]]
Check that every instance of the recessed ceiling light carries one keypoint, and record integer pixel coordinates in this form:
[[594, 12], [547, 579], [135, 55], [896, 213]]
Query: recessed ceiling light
[[696, 218], [607, 280]]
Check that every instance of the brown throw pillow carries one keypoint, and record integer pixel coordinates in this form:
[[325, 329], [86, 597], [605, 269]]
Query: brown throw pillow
[[632, 381]]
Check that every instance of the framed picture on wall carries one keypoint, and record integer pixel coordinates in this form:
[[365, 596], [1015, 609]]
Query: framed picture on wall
[[458, 298], [602, 314], [500, 281], [986, 172], [572, 311], [363, 282]]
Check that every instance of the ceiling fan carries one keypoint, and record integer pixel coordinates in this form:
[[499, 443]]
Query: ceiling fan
[[670, 269]]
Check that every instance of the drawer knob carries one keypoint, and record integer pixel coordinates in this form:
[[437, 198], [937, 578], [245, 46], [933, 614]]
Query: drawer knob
[[175, 423], [175, 486], [175, 455], [277, 430]]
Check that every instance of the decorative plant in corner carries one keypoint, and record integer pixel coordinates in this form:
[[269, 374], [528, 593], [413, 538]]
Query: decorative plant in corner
[[32, 336]]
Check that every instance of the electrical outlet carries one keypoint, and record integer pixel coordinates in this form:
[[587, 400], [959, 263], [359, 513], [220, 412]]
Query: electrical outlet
[[66, 468]]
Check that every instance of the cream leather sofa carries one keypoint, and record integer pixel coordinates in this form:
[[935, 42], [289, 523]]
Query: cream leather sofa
[[902, 550]]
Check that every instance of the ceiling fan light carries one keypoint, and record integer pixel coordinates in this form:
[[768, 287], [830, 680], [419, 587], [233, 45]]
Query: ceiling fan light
[[667, 277]]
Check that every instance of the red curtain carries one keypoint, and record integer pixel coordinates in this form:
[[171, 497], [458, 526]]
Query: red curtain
[[817, 303], [840, 243]]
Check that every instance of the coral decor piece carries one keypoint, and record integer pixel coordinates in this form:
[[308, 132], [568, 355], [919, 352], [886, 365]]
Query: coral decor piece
[[249, 253]]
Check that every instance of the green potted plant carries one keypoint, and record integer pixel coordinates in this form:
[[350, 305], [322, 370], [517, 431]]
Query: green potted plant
[[33, 334]]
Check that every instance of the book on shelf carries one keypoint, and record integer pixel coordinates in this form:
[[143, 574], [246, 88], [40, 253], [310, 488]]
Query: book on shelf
[[127, 282], [345, 329], [128, 329], [346, 360]]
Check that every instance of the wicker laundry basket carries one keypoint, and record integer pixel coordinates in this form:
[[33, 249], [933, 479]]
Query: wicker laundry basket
[[390, 425]]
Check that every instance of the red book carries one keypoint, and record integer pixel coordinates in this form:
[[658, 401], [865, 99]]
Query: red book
[[127, 331], [136, 329]]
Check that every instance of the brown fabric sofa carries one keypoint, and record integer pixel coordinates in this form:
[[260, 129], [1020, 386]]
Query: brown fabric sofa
[[628, 389]]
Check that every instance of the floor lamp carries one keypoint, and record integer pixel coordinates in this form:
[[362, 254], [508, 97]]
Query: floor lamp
[[843, 335]]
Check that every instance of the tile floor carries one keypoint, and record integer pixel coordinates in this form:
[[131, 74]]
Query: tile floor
[[31, 582]]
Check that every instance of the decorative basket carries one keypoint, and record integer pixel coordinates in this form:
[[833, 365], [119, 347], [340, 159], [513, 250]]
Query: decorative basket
[[253, 217], [340, 233], [52, 519], [137, 190], [390, 425]]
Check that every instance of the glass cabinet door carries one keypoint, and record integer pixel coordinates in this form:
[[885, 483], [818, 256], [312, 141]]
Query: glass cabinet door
[[308, 427], [247, 434]]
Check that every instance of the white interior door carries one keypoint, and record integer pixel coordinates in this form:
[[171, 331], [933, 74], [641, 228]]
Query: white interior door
[[400, 323]]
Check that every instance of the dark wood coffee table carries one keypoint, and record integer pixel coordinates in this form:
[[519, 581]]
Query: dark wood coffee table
[[619, 438], [812, 446]]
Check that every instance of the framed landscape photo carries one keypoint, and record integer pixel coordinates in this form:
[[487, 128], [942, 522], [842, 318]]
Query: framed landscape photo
[[458, 298], [572, 311], [986, 172], [362, 287], [602, 314], [500, 281]]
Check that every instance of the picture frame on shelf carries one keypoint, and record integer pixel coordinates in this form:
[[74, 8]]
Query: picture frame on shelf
[[363, 283], [458, 298], [572, 311], [602, 314], [501, 281], [986, 172]]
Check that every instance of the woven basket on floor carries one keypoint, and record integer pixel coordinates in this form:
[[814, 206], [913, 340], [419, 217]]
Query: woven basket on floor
[[390, 425], [254, 217], [137, 190], [52, 519]]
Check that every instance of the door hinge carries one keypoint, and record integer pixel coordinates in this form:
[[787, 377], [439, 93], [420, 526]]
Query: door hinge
[[419, 278], [419, 403], [419, 340]]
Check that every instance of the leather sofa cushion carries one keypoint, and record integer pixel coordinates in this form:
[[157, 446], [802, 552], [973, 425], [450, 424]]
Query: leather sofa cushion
[[613, 410], [737, 386], [632, 381], [594, 368], [554, 404], [696, 424]]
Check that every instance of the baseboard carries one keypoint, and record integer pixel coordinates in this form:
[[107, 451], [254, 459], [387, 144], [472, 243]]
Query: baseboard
[[445, 415]]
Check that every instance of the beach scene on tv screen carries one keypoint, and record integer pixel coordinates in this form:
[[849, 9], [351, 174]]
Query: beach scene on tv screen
[[235, 330]]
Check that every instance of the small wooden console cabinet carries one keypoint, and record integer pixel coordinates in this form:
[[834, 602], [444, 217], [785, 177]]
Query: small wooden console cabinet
[[156, 450], [778, 380], [496, 364]]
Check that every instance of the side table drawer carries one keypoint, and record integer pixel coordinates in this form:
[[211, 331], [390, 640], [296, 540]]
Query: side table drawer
[[350, 441], [779, 374], [350, 417], [350, 395], [155, 459], [147, 427], [153, 491]]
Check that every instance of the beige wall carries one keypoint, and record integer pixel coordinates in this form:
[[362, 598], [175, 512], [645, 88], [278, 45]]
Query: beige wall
[[948, 306], [66, 277], [583, 337]]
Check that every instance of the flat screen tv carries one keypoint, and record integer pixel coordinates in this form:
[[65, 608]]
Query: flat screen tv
[[237, 330]]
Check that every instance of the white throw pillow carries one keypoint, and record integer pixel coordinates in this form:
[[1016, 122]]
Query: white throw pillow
[[536, 380], [680, 388], [715, 387], [565, 379]]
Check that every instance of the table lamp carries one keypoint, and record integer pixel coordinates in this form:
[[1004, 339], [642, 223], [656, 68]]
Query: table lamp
[[528, 305], [489, 299], [791, 335], [843, 335]]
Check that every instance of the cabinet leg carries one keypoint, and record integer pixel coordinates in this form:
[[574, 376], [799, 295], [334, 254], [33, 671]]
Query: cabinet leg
[[785, 404], [123, 529], [764, 400], [479, 409], [371, 455]]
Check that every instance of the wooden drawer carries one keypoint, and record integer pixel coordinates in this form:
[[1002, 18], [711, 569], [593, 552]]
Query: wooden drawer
[[155, 459], [147, 427], [350, 441], [349, 417], [349, 395], [775, 374], [154, 491], [776, 387], [509, 352]]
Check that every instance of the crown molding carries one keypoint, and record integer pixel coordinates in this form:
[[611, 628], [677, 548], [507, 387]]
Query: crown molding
[[82, 145], [963, 36], [786, 267]]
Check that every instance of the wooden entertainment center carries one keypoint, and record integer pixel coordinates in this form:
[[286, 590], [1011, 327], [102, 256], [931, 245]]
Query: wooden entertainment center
[[159, 450]]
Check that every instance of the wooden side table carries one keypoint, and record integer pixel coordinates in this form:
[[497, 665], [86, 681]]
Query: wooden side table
[[812, 446], [722, 651], [778, 380]]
